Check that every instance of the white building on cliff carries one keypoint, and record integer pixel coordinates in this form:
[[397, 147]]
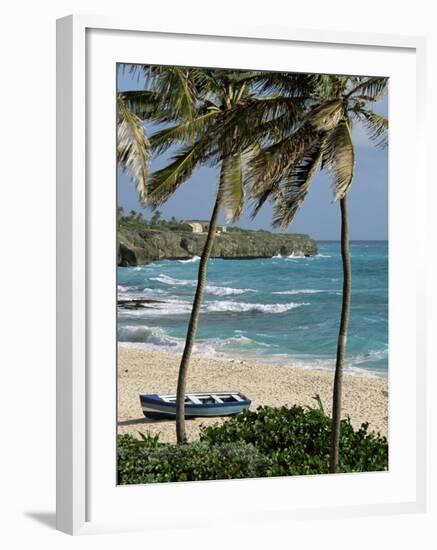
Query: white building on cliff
[[202, 226]]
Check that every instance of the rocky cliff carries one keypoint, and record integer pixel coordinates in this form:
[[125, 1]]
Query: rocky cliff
[[137, 246]]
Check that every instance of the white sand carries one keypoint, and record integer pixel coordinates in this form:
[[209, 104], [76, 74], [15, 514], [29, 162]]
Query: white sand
[[365, 398]]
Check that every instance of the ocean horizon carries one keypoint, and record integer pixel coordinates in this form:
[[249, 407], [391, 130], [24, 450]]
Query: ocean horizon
[[279, 310]]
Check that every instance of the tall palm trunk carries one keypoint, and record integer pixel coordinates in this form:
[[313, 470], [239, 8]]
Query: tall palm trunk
[[195, 313], [342, 338]]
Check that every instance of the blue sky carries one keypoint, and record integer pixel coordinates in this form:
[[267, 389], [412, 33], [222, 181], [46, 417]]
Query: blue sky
[[319, 216]]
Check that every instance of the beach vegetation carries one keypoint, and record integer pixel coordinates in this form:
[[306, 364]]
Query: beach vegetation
[[269, 442], [148, 461]]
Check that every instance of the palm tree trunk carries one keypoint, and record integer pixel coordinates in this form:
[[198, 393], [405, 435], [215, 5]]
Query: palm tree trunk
[[195, 313], [342, 338]]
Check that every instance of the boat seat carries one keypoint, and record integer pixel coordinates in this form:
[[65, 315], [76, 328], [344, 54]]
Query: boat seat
[[194, 399], [236, 397], [216, 398]]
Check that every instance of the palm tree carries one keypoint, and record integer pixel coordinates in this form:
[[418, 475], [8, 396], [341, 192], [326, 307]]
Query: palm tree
[[216, 118], [283, 172], [203, 130]]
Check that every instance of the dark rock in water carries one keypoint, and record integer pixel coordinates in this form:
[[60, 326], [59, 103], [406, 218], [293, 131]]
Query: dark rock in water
[[138, 246], [137, 304]]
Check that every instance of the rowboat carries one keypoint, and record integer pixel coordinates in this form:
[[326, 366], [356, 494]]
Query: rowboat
[[221, 403]]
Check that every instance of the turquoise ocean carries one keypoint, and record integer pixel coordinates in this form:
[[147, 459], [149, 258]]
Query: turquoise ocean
[[280, 310]]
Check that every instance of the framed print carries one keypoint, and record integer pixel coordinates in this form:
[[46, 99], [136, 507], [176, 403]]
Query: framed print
[[239, 321]]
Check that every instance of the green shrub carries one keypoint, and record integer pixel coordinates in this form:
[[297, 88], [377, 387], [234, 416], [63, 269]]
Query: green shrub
[[297, 441], [140, 463], [269, 442]]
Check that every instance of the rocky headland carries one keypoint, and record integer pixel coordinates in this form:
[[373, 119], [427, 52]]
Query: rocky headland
[[139, 246]]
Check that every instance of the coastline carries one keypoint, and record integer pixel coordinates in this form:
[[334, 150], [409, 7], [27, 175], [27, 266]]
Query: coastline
[[365, 398]]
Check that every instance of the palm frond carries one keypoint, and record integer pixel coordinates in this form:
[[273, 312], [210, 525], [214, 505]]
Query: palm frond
[[325, 115], [259, 198], [339, 158], [133, 148], [254, 121], [284, 84], [232, 187], [373, 87], [271, 163], [186, 131], [144, 104], [175, 87], [376, 126], [296, 186], [324, 85], [164, 182], [262, 109]]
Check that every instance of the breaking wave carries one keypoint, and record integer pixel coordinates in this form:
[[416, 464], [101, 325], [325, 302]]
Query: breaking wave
[[167, 280], [156, 339], [154, 291], [301, 291], [241, 347], [210, 289], [155, 336], [236, 307], [226, 290], [190, 260], [171, 307]]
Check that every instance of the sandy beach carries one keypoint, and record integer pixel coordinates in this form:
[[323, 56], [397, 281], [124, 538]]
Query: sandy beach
[[365, 397]]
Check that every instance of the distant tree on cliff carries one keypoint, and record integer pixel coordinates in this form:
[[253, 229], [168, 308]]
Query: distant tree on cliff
[[156, 218]]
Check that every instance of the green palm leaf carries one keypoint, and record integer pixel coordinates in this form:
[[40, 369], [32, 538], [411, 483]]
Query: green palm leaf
[[373, 87], [164, 182], [339, 158], [133, 148], [376, 125], [296, 186], [232, 187], [270, 165], [284, 84], [176, 88], [186, 131], [145, 104], [325, 115]]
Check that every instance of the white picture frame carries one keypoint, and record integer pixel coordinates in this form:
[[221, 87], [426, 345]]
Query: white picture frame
[[78, 407]]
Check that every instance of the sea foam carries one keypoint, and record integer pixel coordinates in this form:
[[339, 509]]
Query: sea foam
[[167, 280], [236, 307], [299, 291], [156, 339], [226, 290], [190, 260]]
